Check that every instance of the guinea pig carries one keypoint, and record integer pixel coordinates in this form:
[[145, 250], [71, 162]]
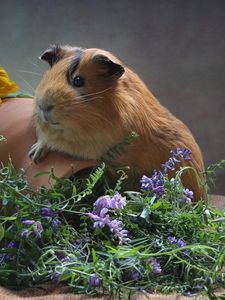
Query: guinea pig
[[89, 101]]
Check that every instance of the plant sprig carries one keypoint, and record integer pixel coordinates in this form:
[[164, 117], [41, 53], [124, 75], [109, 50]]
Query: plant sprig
[[117, 242]]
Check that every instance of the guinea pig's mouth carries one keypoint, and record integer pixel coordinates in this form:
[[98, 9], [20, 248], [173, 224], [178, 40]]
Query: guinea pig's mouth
[[47, 118], [54, 124], [49, 121]]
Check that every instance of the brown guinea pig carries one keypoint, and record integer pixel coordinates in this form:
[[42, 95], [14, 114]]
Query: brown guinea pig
[[89, 101]]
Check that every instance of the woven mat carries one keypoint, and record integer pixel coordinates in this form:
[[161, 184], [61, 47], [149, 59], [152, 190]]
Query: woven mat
[[60, 292]]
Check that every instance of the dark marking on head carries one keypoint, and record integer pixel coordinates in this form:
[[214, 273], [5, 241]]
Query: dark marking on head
[[110, 69], [73, 66], [56, 52]]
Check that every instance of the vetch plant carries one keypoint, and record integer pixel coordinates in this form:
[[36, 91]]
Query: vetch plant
[[98, 238], [101, 216]]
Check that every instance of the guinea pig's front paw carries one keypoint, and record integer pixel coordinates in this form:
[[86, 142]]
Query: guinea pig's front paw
[[38, 152]]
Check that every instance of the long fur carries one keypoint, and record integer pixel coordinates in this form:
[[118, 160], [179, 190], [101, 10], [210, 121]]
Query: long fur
[[94, 118]]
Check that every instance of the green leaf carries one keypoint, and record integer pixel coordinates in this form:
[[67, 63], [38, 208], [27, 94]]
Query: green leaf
[[2, 232], [8, 218], [94, 256], [74, 190], [42, 173], [124, 253], [156, 205], [145, 214]]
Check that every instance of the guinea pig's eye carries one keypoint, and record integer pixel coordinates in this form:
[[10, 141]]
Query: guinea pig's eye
[[78, 81]]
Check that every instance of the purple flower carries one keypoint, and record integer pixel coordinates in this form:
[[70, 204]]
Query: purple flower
[[119, 233], [95, 280], [122, 236], [103, 212], [154, 183], [13, 244], [156, 266], [25, 233], [146, 183], [100, 221], [188, 193], [136, 276], [181, 243], [118, 201], [38, 228], [115, 202], [186, 252], [189, 293], [183, 152], [172, 239], [174, 159], [62, 256], [56, 223], [77, 244], [101, 215], [169, 165], [115, 225], [184, 200], [48, 212], [28, 222], [56, 277], [103, 202]]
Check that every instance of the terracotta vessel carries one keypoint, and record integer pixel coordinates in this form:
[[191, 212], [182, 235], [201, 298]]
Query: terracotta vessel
[[16, 125]]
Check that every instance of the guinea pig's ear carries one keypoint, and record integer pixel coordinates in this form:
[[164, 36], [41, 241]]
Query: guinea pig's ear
[[53, 54], [107, 68]]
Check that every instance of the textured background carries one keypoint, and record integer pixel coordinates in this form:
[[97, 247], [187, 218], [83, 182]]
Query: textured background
[[176, 46]]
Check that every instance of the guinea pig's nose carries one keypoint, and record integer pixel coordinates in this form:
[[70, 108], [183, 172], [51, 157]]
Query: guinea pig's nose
[[48, 108]]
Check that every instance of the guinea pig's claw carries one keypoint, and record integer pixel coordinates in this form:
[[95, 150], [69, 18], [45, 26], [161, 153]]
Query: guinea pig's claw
[[38, 152]]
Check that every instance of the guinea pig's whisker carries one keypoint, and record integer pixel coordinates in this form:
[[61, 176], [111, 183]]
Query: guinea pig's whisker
[[25, 92], [97, 93], [63, 103], [91, 99], [83, 115], [29, 72], [83, 98], [37, 66], [27, 83]]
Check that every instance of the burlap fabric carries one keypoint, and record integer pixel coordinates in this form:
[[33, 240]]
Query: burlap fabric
[[60, 292]]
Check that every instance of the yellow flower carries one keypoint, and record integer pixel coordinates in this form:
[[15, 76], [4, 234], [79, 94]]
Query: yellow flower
[[7, 86]]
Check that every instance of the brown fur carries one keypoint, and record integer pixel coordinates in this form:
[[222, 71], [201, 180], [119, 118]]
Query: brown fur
[[89, 126]]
